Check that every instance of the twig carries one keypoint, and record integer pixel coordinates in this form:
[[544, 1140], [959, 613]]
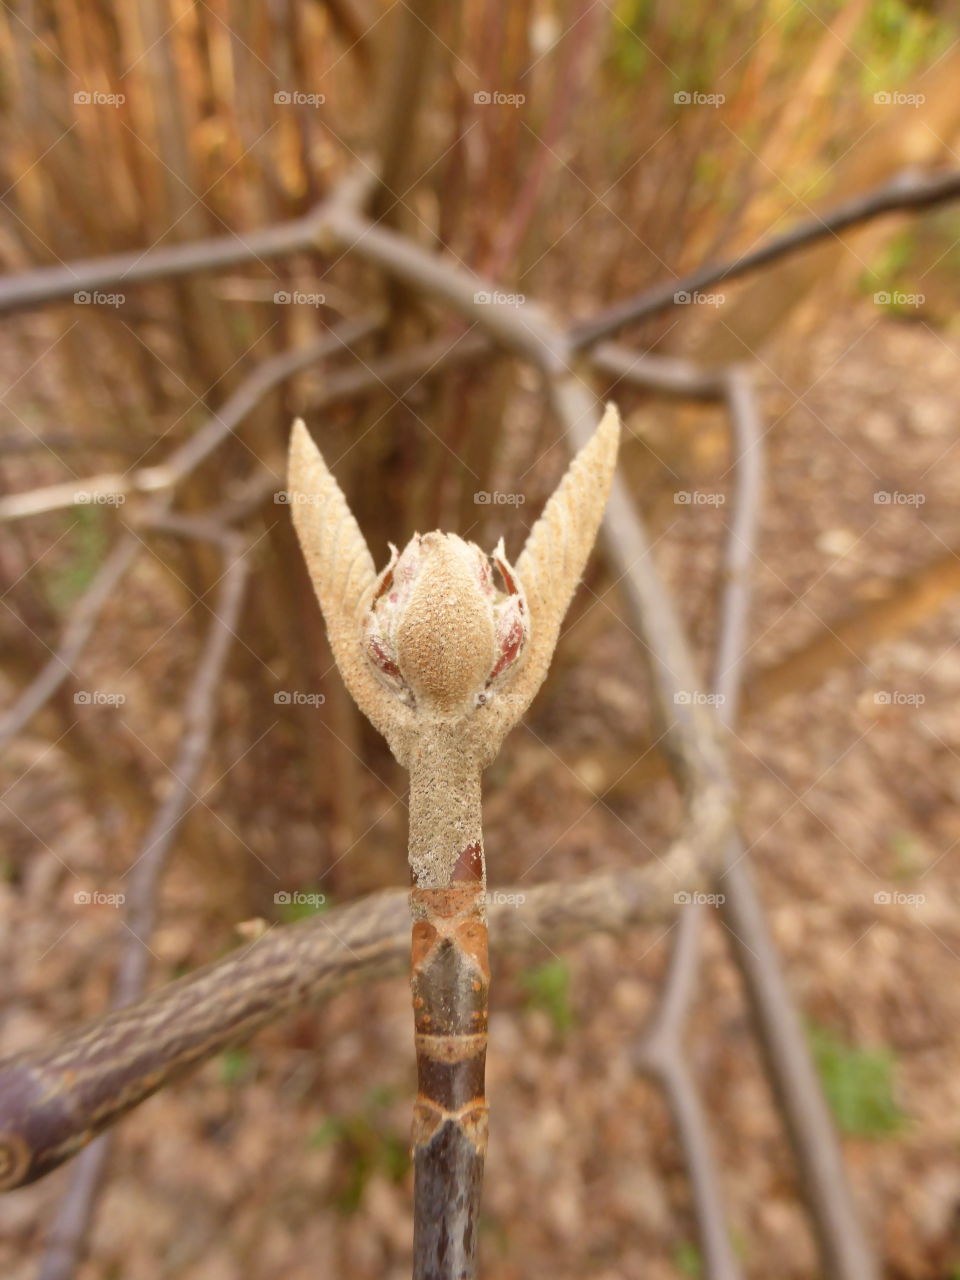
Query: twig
[[93, 275], [739, 549], [402, 371], [908, 190], [575, 47], [261, 381], [691, 735], [661, 1052], [187, 1021], [54, 497], [843, 1245], [187, 457], [76, 637], [844, 1248], [75, 1212], [527, 331], [181, 462], [667, 374], [689, 730], [447, 648]]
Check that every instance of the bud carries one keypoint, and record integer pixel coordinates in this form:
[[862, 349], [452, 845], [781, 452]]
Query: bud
[[447, 638], [440, 634]]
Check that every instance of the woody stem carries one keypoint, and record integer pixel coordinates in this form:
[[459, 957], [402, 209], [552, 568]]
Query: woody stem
[[450, 981]]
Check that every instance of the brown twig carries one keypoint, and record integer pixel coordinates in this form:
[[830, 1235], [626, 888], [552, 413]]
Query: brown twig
[[661, 1052], [907, 191], [92, 275], [844, 1248], [177, 467], [219, 426], [121, 1058], [75, 1212], [669, 375], [75, 638], [406, 60], [843, 1245]]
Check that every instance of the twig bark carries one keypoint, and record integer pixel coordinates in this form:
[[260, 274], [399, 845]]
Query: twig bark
[[93, 275], [661, 1051], [668, 375], [121, 1058], [219, 426], [844, 1248], [177, 467], [907, 191], [71, 1224], [75, 638]]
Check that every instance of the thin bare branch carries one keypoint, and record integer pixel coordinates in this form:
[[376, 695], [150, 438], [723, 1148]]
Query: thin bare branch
[[667, 374], [75, 638], [181, 462], [127, 1068], [402, 371], [661, 1052], [740, 548], [187, 457], [909, 190], [54, 497], [844, 1248], [121, 1058], [528, 332], [264, 378], [93, 275], [75, 1213]]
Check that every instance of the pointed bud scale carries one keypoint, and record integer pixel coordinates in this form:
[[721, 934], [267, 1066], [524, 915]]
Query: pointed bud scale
[[445, 628]]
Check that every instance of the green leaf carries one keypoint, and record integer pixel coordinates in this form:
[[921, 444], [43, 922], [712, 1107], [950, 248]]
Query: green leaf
[[236, 1065], [86, 546], [305, 903], [687, 1259], [548, 988], [859, 1084]]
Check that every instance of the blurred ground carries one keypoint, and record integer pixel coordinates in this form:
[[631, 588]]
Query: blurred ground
[[296, 1144]]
